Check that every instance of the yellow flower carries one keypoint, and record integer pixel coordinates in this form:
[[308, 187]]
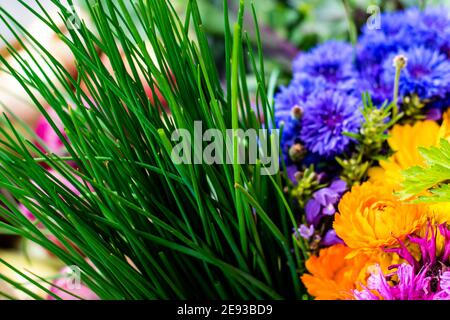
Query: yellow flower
[[405, 141], [439, 212], [444, 131], [333, 275], [370, 216]]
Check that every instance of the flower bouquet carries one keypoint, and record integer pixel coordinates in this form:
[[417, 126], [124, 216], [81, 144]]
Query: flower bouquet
[[153, 174], [359, 115]]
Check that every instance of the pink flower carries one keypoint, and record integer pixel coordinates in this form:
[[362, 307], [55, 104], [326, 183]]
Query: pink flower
[[48, 135], [427, 278], [407, 286], [444, 294], [69, 282], [27, 213]]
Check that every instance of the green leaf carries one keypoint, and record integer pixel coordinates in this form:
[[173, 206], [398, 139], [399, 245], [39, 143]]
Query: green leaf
[[433, 177]]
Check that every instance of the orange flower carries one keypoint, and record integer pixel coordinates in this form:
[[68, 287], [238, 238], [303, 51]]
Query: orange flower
[[333, 275], [371, 216]]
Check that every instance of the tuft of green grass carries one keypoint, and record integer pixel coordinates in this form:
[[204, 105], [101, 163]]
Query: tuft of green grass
[[143, 227]]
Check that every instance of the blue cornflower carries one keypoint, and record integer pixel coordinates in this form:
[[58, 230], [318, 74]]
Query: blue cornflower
[[289, 107], [375, 45], [427, 73], [401, 31], [380, 90], [442, 103], [330, 61], [392, 23], [327, 116], [295, 94], [431, 29]]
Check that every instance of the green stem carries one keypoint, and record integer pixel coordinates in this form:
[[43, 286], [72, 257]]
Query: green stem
[[235, 123], [423, 5], [351, 24], [398, 70]]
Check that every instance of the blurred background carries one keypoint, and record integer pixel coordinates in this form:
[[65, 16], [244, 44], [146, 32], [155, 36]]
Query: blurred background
[[287, 28]]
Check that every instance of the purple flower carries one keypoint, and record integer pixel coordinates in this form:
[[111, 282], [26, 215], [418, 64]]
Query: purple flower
[[427, 73], [323, 202], [376, 45], [372, 49], [295, 94], [423, 278], [371, 82], [434, 114], [409, 286], [306, 232], [444, 294], [339, 186], [402, 30], [327, 117], [427, 247], [313, 210], [331, 62], [331, 238], [429, 28], [288, 102]]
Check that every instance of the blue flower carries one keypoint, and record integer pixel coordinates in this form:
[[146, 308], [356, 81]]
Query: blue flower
[[372, 51], [442, 103], [288, 102], [401, 31], [375, 45], [427, 73], [380, 90], [330, 61], [408, 28], [431, 29], [295, 94], [327, 116], [393, 23]]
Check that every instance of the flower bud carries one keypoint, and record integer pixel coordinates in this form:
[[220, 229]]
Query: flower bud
[[298, 175], [297, 152], [400, 61], [297, 112]]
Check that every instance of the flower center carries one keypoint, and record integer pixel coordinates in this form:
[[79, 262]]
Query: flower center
[[381, 208], [329, 72], [332, 120], [418, 71], [434, 273]]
